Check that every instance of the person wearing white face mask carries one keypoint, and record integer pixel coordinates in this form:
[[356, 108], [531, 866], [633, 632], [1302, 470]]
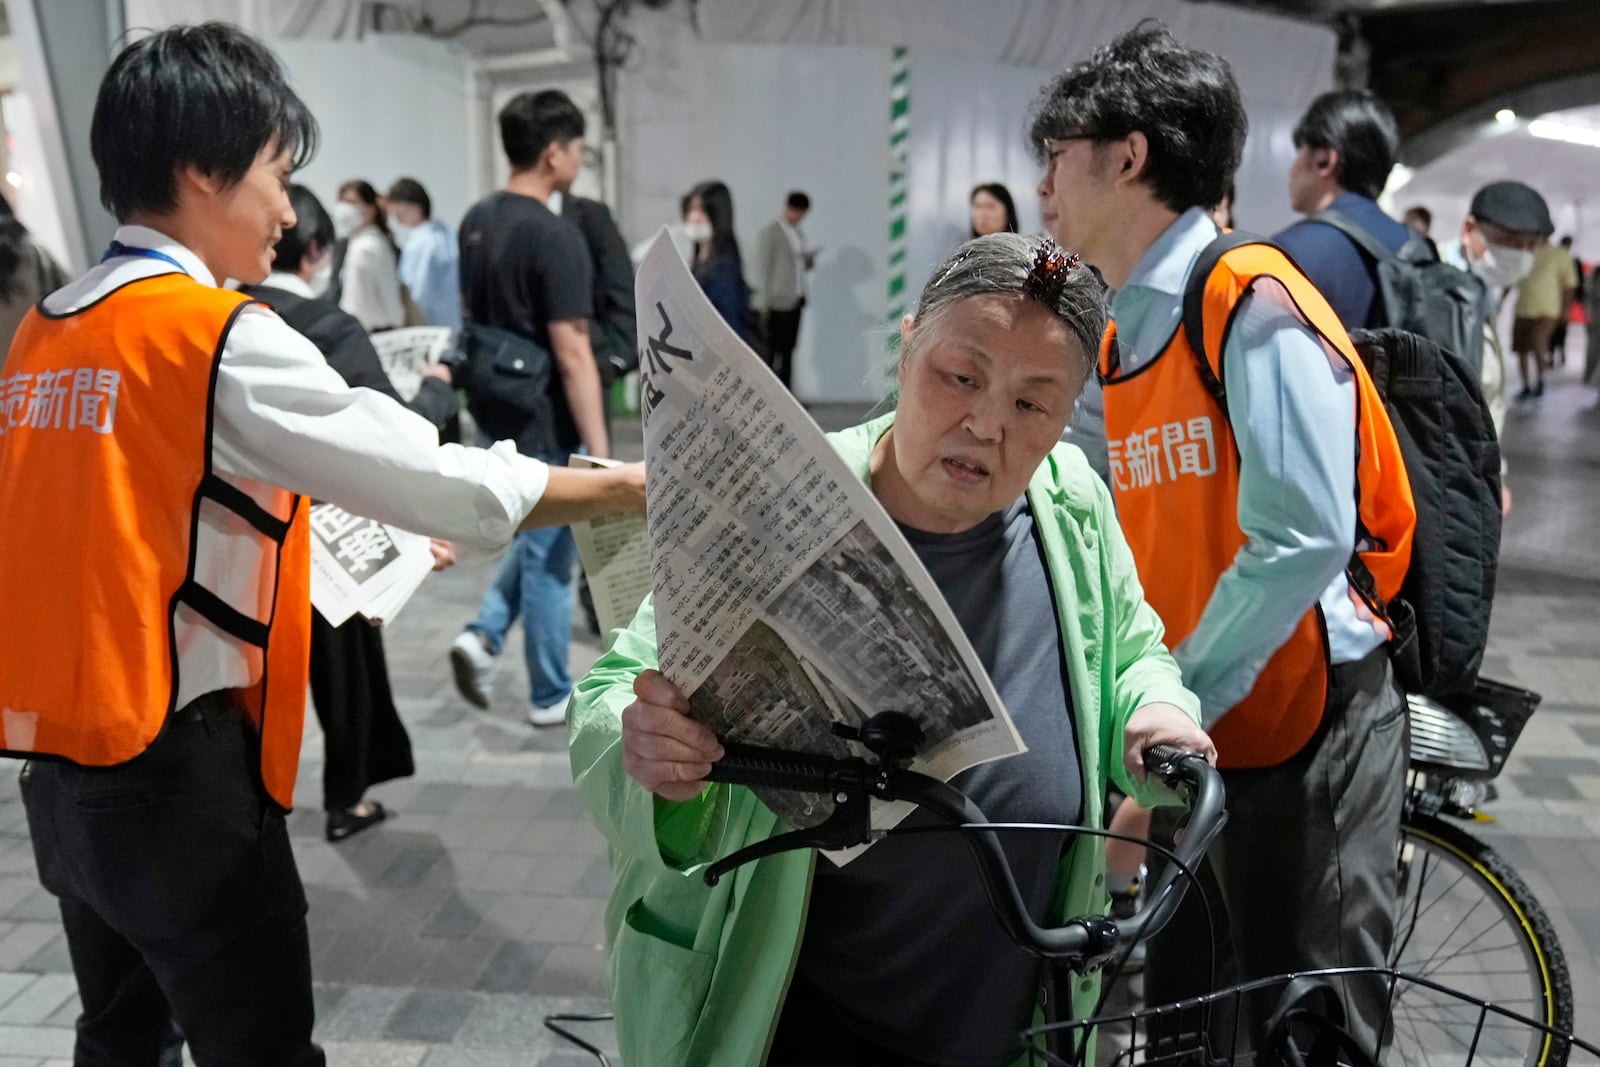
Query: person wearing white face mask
[[1506, 222], [430, 264], [369, 282]]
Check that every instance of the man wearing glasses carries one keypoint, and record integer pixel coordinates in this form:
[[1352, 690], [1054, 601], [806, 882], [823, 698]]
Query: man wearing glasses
[[1235, 480]]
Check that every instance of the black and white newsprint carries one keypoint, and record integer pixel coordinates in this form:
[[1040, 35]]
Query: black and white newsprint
[[786, 599], [360, 565]]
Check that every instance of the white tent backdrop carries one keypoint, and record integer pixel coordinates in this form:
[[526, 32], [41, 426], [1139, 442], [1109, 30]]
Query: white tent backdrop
[[780, 95], [794, 94]]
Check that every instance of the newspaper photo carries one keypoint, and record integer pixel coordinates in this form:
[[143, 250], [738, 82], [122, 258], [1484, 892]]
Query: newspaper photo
[[614, 551], [360, 565], [786, 598]]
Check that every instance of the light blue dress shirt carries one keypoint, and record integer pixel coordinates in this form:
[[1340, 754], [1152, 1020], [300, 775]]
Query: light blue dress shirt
[[1291, 403], [430, 268]]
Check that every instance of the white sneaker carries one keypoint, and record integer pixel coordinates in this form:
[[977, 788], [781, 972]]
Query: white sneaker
[[473, 667], [554, 715]]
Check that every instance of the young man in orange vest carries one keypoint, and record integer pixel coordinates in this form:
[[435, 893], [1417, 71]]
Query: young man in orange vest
[[1241, 495], [157, 437]]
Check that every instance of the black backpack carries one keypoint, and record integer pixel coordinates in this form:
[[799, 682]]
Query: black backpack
[[1420, 294], [1441, 617]]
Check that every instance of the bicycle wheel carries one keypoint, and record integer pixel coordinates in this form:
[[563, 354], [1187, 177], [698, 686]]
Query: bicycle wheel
[[1466, 920]]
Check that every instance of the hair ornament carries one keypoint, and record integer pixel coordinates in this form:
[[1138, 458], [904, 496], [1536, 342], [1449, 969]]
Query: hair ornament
[[1051, 267]]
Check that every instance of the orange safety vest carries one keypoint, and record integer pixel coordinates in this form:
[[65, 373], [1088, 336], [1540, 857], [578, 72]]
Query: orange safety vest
[[105, 466], [1175, 474]]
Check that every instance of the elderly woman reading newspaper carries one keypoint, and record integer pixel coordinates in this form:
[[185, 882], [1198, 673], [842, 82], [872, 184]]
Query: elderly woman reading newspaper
[[895, 958]]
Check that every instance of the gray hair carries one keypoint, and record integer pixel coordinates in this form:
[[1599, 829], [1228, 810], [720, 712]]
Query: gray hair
[[998, 264]]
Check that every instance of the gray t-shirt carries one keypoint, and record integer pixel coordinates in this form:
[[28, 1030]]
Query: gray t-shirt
[[903, 940]]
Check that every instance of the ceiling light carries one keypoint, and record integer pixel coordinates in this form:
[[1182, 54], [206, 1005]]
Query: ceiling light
[[1564, 131], [1505, 116]]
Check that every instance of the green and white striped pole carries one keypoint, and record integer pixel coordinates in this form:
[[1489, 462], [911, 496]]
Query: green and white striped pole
[[899, 188]]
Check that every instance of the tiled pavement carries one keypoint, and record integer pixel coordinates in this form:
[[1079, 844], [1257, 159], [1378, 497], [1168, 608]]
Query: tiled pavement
[[443, 937]]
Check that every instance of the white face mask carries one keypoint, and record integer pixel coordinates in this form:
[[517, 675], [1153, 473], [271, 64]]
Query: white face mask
[[1503, 266], [347, 218], [697, 231], [400, 231]]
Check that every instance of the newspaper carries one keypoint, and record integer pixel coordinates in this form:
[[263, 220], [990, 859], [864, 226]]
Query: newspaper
[[786, 599], [615, 555], [404, 353], [360, 565]]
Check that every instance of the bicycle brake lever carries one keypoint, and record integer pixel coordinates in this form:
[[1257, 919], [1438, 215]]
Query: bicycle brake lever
[[848, 825]]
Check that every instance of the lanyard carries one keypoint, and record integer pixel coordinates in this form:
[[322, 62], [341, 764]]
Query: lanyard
[[117, 248]]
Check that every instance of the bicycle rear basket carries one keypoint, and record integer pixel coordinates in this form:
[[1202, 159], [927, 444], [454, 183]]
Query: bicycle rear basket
[[1470, 735], [1429, 1025]]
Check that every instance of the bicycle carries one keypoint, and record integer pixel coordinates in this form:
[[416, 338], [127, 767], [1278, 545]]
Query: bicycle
[[1303, 1030], [1466, 919]]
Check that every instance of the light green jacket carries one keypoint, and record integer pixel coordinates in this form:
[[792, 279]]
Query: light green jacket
[[698, 974]]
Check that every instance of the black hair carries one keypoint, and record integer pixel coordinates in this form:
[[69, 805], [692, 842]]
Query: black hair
[[1002, 194], [683, 203], [410, 191], [716, 200], [312, 226], [532, 122], [798, 201], [1184, 101], [1421, 213], [208, 96], [369, 196], [14, 241], [1361, 128]]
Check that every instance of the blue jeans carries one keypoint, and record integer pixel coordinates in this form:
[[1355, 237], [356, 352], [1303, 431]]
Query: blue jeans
[[535, 581]]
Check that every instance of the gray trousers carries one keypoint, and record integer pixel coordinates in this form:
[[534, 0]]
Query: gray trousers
[[1304, 874]]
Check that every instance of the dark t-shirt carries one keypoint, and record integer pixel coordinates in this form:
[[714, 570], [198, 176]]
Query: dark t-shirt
[[902, 940], [522, 268], [1340, 270]]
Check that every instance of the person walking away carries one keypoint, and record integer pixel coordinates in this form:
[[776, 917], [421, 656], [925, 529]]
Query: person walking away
[[526, 280], [159, 687], [1241, 515], [369, 283], [1558, 339], [1345, 147], [1542, 298], [430, 262], [781, 296]]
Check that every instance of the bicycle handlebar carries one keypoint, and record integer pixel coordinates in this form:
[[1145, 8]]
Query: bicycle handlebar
[[854, 781]]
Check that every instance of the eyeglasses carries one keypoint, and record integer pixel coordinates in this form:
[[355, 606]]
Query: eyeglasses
[[1050, 153]]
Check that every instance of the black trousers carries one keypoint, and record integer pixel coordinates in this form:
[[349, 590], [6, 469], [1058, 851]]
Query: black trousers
[[364, 741], [180, 898], [1303, 876], [783, 330], [811, 1031]]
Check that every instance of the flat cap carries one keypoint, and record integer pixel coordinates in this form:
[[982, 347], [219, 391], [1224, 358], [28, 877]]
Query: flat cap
[[1513, 206]]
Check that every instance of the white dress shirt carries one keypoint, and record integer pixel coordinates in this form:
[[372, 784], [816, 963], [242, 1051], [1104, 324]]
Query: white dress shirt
[[284, 419]]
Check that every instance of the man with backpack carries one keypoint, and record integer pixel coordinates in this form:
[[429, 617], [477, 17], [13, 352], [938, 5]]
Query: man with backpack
[[1241, 495], [1345, 146]]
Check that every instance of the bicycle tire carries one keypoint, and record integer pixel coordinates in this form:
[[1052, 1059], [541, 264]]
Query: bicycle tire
[[1476, 866]]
